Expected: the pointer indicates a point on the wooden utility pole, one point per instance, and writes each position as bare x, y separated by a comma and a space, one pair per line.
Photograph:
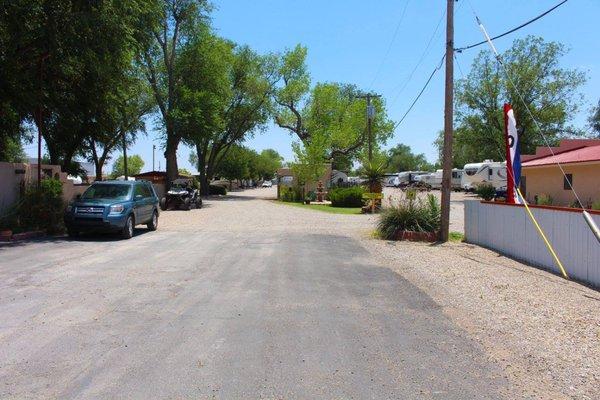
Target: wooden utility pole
124, 156
370, 116
448, 124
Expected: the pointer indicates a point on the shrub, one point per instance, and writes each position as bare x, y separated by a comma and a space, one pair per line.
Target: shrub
347, 197
596, 205
290, 194
42, 208
486, 191
544, 200
410, 215
217, 189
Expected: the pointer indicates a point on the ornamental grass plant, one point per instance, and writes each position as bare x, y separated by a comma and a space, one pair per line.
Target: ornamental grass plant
410, 214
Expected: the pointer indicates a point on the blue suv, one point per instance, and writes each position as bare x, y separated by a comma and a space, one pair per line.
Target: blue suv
113, 206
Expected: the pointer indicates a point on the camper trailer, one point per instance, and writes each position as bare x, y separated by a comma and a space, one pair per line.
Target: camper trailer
407, 177
388, 179
487, 171
434, 179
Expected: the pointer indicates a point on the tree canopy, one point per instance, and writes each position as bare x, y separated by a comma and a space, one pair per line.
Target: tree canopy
135, 163
401, 158
329, 116
550, 93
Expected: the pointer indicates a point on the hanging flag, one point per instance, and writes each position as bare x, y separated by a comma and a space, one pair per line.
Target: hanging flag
513, 155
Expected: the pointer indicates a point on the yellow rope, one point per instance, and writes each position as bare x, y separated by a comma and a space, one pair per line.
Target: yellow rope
548, 245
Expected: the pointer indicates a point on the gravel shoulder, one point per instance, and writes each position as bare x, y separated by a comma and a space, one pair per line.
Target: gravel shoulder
542, 330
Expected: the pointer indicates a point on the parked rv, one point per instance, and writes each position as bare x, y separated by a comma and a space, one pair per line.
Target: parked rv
388, 179
488, 171
434, 179
407, 177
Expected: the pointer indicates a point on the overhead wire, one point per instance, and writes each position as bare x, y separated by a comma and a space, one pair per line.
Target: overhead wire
387, 53
437, 68
460, 49
403, 85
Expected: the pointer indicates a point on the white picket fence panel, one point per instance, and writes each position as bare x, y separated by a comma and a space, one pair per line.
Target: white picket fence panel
508, 230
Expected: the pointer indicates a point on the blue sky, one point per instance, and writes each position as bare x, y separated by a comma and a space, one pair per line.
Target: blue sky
348, 41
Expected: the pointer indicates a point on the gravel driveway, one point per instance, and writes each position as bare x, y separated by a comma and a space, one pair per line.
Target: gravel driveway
247, 298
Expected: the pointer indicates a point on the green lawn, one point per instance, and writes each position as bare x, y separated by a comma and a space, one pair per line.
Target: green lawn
324, 208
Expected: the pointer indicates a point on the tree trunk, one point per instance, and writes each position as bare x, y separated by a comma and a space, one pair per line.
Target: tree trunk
171, 156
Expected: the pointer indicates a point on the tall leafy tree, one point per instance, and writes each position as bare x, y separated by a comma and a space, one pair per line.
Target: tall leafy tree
238, 106
594, 120
61, 60
550, 93
401, 158
330, 111
135, 163
178, 22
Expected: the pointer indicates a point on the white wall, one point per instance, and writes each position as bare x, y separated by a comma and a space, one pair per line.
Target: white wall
509, 230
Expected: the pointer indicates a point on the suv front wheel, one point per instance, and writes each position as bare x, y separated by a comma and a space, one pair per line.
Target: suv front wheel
153, 224
127, 232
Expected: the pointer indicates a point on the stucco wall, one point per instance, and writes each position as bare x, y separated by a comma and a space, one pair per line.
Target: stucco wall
15, 176
549, 180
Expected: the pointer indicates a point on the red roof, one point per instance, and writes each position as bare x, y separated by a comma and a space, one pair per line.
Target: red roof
585, 154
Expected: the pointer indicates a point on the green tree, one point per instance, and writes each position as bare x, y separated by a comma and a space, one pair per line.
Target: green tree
550, 93
177, 24
330, 111
401, 158
239, 104
60, 62
267, 163
594, 120
135, 163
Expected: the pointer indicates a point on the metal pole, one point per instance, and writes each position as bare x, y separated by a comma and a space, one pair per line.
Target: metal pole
448, 123
153, 149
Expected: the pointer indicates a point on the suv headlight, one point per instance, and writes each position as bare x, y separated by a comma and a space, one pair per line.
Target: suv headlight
116, 209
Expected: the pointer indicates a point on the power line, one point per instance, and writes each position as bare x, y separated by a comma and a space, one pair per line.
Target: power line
387, 53
403, 85
460, 49
436, 69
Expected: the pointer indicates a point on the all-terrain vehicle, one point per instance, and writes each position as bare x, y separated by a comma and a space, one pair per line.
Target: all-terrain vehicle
182, 195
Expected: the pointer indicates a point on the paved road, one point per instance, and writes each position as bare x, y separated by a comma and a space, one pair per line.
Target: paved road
282, 303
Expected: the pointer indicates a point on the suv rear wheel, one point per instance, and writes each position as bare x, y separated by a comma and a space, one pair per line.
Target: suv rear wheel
127, 231
153, 224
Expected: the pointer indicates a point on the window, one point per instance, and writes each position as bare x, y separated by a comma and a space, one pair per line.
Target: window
139, 191
567, 181
523, 185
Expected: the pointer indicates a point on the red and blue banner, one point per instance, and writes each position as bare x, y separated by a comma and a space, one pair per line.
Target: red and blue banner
513, 155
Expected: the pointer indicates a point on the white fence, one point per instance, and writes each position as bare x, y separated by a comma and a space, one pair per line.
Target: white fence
508, 230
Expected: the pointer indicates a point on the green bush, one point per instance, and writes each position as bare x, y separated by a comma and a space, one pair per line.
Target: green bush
486, 191
347, 197
42, 208
410, 215
544, 200
290, 194
217, 189
596, 205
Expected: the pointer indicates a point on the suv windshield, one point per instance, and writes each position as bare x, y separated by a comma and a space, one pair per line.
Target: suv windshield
107, 191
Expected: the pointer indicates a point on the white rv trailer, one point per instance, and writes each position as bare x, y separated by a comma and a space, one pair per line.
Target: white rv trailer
388, 179
487, 171
434, 179
407, 177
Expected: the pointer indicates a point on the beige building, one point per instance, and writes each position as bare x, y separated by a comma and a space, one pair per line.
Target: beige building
15, 176
580, 160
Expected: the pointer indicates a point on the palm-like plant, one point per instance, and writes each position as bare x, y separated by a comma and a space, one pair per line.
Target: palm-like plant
373, 172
